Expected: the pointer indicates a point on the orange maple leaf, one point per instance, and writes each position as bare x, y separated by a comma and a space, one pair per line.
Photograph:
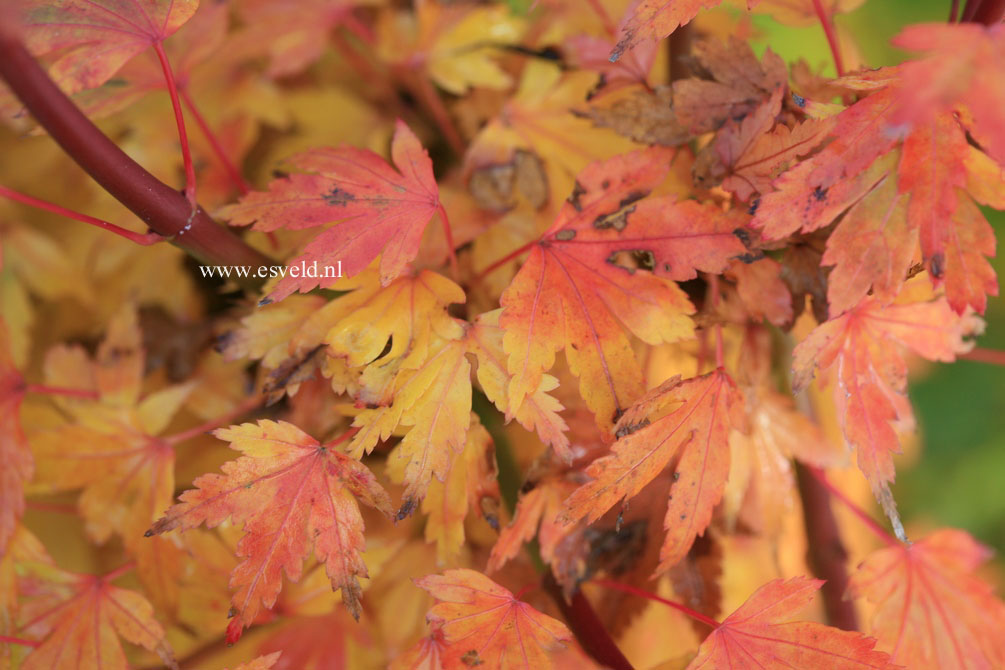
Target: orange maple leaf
655, 19
758, 634
869, 391
689, 421
292, 494
97, 37
82, 630
932, 612
375, 207
572, 293
494, 629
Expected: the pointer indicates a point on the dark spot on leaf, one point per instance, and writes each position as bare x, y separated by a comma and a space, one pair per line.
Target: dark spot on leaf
799, 100
470, 658
683, 516
937, 264
755, 203
565, 235
676, 476
232, 612
528, 486
405, 510
618, 220
264, 301
149, 533
819, 193
223, 341
751, 257
618, 413
630, 428
634, 196
743, 236
606, 184
577, 193
338, 197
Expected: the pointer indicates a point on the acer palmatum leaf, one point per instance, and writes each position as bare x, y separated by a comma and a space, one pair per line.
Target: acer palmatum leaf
377, 209
931, 610
83, 630
495, 630
862, 346
961, 66
689, 421
97, 37
293, 495
760, 634
572, 294
655, 19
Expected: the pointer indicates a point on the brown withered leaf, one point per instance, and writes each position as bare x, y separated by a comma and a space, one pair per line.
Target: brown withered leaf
497, 187
642, 115
731, 83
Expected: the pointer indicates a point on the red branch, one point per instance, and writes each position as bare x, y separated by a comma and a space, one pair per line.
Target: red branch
827, 23
586, 626
161, 207
980, 355
7, 639
139, 238
827, 557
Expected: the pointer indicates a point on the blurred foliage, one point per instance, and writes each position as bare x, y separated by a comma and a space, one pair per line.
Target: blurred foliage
960, 407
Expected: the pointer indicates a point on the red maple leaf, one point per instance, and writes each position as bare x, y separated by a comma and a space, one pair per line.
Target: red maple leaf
758, 634
375, 208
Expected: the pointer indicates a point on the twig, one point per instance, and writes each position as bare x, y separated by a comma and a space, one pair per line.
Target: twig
161, 207
495, 265
827, 556
7, 639
586, 626
179, 117
214, 143
827, 23
992, 356
863, 516
203, 428
642, 593
143, 239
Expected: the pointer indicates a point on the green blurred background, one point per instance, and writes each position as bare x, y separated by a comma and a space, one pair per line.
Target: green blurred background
959, 479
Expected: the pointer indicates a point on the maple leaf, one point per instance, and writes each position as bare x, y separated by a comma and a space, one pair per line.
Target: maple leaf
97, 37
655, 19
686, 422
492, 627
759, 634
292, 494
469, 485
872, 377
572, 294
737, 83
14, 451
745, 157
931, 611
536, 515
376, 209
538, 411
83, 630
435, 401
962, 66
